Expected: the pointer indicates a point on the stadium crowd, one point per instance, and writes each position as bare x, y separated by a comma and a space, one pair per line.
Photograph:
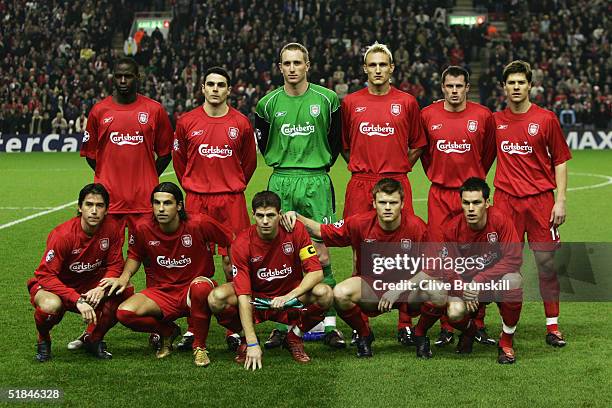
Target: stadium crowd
55, 57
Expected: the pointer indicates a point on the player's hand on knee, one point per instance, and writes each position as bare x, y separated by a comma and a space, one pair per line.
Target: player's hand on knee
471, 305
114, 285
288, 220
387, 300
253, 358
278, 302
94, 296
87, 312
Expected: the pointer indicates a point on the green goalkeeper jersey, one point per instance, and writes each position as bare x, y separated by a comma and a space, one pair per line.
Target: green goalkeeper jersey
299, 131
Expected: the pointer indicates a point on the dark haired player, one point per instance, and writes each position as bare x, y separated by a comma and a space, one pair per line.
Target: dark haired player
354, 296
79, 254
532, 157
461, 144
214, 158
175, 251
276, 265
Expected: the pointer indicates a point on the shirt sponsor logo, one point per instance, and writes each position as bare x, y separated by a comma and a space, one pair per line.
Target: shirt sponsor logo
287, 248
143, 117
406, 244
80, 267
533, 128
104, 243
315, 110
515, 148
76, 251
360, 109
232, 132
198, 132
472, 125
369, 129
186, 240
173, 263
396, 109
437, 126
214, 151
502, 127
271, 274
297, 130
107, 120
492, 237
453, 147
121, 139
280, 113
50, 255
154, 243
85, 136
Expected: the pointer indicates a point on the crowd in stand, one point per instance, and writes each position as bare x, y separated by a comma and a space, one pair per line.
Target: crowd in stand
56, 56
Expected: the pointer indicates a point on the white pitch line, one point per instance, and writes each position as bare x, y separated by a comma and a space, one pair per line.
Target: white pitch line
54, 209
603, 176
25, 208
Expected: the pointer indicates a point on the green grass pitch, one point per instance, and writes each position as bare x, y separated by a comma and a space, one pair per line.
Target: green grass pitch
580, 375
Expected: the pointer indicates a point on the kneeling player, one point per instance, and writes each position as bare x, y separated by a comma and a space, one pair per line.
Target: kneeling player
274, 270
486, 235
355, 297
175, 250
79, 253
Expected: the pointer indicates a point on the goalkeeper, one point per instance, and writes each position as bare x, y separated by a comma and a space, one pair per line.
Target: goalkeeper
277, 276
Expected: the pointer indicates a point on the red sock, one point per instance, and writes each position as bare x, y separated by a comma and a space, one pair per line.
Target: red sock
429, 316
506, 340
44, 322
405, 319
510, 311
145, 324
445, 324
190, 324
310, 317
480, 316
200, 312
230, 319
107, 315
354, 318
549, 290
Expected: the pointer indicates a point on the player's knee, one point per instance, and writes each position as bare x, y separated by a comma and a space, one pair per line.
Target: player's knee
50, 304
127, 306
217, 299
437, 297
342, 295
545, 262
456, 311
515, 280
324, 295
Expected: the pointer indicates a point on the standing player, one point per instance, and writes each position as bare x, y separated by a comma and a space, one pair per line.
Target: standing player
214, 158
389, 223
175, 251
298, 132
487, 236
461, 139
279, 267
79, 253
128, 144
381, 137
532, 160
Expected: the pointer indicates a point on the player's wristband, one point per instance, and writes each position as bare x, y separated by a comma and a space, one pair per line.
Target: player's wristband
252, 344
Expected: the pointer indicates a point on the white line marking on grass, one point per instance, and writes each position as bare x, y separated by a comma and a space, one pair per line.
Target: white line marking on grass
25, 208
603, 176
53, 209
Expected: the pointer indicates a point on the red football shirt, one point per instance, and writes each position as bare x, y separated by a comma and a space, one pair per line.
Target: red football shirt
529, 146
379, 130
461, 144
498, 243
123, 140
214, 155
272, 268
74, 262
365, 228
172, 261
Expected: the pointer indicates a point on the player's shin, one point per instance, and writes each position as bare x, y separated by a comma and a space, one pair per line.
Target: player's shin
510, 311
45, 321
107, 315
429, 316
200, 312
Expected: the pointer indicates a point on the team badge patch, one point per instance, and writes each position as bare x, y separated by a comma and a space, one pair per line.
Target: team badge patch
50, 256
492, 237
406, 244
143, 118
339, 224
533, 128
315, 110
472, 125
104, 244
443, 253
131, 240
186, 240
85, 136
287, 248
396, 109
176, 146
232, 133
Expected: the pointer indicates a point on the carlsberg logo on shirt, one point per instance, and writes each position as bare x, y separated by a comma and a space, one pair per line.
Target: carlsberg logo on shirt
214, 151
297, 130
80, 267
271, 274
371, 129
515, 148
173, 263
121, 139
453, 147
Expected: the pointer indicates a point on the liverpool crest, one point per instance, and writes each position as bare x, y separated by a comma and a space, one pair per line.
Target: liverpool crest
186, 240
287, 248
315, 110
104, 244
396, 109
472, 125
533, 128
143, 118
232, 132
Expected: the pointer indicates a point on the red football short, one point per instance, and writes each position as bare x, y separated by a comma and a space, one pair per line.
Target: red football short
531, 216
228, 209
128, 220
358, 197
34, 287
174, 302
441, 203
